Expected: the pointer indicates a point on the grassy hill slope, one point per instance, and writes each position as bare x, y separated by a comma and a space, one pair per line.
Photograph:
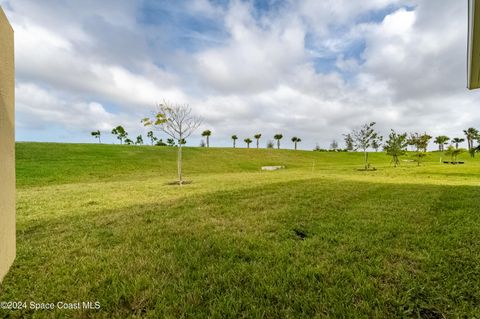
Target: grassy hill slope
99, 223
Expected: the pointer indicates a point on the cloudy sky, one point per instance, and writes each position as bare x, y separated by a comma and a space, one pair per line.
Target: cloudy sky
313, 68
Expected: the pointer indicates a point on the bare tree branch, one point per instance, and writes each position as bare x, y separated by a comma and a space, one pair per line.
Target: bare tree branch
176, 121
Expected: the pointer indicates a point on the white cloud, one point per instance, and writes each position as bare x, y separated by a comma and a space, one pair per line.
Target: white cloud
309, 68
256, 57
44, 56
39, 109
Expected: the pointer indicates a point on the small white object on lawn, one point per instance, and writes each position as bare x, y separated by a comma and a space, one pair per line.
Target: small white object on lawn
272, 168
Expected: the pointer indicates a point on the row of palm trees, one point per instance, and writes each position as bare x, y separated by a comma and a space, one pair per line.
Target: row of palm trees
248, 140
471, 134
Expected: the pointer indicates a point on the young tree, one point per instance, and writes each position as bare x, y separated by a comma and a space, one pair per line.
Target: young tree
420, 142
474, 150
458, 140
128, 141
363, 140
139, 140
424, 141
454, 152
396, 146
152, 137
296, 140
441, 141
207, 134
348, 142
234, 138
97, 134
257, 137
376, 143
412, 141
177, 122
120, 133
270, 144
333, 145
115, 132
248, 141
202, 143
278, 137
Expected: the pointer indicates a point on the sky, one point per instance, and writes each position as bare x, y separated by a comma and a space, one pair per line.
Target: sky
314, 69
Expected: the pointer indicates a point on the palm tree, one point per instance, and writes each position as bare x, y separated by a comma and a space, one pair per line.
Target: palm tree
120, 133
296, 140
457, 140
170, 142
257, 137
441, 141
207, 134
234, 138
278, 137
152, 138
97, 134
471, 134
248, 141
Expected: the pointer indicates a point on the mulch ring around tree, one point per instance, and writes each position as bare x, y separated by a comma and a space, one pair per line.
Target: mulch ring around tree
370, 169
178, 183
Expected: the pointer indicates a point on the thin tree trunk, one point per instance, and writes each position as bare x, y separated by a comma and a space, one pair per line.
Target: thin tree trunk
295, 146
208, 141
278, 144
366, 159
257, 142
233, 143
179, 162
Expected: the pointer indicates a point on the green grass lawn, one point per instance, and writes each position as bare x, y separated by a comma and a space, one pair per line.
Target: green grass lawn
317, 239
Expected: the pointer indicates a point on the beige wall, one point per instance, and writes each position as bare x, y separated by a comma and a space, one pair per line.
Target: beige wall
7, 146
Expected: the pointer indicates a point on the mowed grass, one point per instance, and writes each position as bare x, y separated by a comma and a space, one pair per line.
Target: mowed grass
318, 239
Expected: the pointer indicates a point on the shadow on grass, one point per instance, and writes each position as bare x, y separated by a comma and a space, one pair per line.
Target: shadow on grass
372, 250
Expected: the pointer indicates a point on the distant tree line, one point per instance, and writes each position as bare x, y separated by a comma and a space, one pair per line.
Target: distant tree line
362, 139
177, 122
397, 143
